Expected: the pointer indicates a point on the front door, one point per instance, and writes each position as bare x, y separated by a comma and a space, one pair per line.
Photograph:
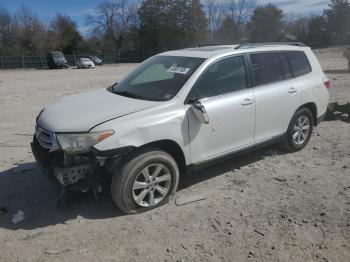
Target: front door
224, 92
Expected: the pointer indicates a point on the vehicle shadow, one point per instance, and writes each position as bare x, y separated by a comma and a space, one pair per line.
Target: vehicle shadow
24, 187
337, 71
336, 111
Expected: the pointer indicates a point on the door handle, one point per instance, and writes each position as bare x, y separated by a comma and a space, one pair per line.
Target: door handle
247, 102
292, 90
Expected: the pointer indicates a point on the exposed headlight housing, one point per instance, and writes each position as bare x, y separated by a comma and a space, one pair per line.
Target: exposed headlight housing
81, 142
42, 110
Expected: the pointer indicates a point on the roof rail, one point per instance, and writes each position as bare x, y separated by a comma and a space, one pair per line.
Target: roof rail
204, 45
254, 45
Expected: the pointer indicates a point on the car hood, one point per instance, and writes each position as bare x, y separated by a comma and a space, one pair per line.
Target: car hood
81, 112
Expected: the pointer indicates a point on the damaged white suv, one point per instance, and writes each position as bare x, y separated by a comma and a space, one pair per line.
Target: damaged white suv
181, 109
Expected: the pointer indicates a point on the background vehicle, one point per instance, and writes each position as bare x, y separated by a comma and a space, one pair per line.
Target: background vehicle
56, 60
85, 63
179, 110
96, 60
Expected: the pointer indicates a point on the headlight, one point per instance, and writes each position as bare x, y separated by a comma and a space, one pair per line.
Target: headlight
81, 142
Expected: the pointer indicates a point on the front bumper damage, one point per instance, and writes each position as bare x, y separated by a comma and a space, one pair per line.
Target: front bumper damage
76, 172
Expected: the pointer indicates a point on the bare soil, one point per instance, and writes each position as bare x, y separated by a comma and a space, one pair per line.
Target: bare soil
262, 206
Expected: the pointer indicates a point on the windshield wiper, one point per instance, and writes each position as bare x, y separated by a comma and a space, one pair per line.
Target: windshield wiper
129, 94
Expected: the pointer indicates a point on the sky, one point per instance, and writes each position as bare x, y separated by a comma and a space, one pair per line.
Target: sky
77, 9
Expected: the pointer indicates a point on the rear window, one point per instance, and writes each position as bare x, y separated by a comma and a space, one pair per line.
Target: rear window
267, 68
299, 63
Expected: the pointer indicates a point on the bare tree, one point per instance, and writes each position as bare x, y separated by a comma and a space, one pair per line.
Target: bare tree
113, 19
30, 32
296, 27
215, 16
5, 29
240, 12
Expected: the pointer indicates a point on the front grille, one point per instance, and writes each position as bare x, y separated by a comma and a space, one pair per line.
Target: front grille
45, 138
41, 154
46, 157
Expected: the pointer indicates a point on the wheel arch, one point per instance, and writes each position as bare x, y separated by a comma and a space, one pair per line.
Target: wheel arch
172, 148
313, 108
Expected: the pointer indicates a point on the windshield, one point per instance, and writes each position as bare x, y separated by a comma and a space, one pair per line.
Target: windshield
57, 55
159, 78
85, 59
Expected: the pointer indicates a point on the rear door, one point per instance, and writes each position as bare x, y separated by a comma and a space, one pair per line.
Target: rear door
276, 93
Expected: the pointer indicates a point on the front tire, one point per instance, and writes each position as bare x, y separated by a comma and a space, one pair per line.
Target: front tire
145, 180
299, 130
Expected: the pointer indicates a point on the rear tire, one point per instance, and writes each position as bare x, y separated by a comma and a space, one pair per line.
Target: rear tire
299, 130
145, 180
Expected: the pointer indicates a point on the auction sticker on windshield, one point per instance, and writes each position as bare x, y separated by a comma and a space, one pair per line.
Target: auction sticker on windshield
178, 70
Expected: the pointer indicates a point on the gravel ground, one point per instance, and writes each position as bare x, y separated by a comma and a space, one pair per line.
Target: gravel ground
262, 206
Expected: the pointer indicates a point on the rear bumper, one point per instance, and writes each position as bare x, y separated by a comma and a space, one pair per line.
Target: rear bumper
321, 118
87, 66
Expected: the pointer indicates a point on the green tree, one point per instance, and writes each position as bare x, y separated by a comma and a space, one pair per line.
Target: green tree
266, 24
64, 35
296, 29
171, 24
227, 32
152, 18
338, 21
196, 24
317, 35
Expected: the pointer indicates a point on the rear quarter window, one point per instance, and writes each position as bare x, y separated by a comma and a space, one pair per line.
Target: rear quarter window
299, 63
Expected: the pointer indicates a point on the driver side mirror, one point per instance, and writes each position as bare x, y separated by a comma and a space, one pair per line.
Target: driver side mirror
200, 112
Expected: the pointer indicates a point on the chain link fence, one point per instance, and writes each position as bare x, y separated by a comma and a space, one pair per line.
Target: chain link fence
13, 62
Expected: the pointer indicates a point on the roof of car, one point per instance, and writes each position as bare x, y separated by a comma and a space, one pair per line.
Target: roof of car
212, 50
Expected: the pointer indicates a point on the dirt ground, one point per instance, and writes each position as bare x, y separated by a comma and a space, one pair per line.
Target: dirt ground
262, 206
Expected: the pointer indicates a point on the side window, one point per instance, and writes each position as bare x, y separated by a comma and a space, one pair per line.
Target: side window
225, 76
299, 63
267, 68
286, 67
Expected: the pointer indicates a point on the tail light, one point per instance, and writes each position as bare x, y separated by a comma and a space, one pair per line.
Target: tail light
328, 84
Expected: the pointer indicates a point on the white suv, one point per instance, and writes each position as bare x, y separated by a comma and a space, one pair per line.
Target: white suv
181, 109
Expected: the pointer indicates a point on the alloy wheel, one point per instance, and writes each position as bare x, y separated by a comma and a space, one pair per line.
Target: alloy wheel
301, 130
151, 185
